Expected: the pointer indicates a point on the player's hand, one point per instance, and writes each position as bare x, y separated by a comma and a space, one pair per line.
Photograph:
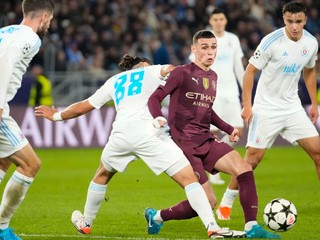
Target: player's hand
234, 136
159, 122
45, 112
246, 115
313, 114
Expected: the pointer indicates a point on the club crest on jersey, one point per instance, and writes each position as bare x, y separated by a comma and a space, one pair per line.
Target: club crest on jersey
205, 83
304, 52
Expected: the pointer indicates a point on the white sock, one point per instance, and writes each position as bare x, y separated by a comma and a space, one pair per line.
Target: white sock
225, 139
216, 176
13, 195
199, 202
2, 174
158, 217
95, 196
248, 225
228, 197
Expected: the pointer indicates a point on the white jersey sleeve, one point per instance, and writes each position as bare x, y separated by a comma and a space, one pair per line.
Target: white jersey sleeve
18, 45
130, 91
282, 61
103, 95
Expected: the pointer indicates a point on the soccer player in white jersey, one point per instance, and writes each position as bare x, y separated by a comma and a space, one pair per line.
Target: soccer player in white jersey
281, 56
229, 67
135, 134
18, 45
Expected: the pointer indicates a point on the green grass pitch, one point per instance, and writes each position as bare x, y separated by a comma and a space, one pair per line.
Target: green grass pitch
61, 185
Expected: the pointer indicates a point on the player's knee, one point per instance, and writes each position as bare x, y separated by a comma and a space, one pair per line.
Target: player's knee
32, 167
254, 158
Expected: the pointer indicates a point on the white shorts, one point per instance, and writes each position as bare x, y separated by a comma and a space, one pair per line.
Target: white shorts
229, 110
132, 140
265, 128
11, 137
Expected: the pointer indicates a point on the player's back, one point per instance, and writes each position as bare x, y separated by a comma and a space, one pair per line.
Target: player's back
18, 45
130, 91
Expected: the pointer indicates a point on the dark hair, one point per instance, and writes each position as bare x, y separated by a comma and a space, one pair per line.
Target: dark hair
128, 62
202, 34
218, 11
294, 7
30, 6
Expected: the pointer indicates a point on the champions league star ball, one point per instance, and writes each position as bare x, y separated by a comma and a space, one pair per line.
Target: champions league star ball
280, 215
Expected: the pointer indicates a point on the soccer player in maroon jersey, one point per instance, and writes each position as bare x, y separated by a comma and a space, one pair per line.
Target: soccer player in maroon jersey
192, 89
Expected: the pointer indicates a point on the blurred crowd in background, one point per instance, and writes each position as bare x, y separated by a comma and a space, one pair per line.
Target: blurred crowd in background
95, 34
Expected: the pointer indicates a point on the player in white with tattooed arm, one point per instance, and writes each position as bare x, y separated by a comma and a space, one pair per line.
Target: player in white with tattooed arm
18, 45
281, 56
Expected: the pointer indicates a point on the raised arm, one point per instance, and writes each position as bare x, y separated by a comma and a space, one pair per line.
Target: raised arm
74, 110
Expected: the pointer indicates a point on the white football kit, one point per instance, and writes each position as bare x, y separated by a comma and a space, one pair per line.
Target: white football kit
277, 108
18, 45
229, 68
133, 135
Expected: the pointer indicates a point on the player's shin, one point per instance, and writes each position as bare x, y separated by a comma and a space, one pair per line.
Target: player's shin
14, 193
248, 196
200, 203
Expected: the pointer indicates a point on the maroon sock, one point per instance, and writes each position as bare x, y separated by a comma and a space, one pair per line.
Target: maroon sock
182, 210
248, 196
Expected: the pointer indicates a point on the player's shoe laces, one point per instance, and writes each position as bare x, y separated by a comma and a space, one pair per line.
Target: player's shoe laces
226, 233
78, 222
258, 232
223, 213
216, 179
153, 227
8, 234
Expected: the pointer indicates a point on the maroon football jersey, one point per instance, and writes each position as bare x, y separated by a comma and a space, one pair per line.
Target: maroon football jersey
192, 92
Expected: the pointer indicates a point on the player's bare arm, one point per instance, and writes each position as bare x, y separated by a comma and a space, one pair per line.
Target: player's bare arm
248, 79
74, 110
310, 77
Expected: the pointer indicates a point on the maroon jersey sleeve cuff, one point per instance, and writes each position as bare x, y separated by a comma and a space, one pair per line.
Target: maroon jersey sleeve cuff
219, 123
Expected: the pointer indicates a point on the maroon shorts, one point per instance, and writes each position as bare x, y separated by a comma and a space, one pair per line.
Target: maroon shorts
204, 157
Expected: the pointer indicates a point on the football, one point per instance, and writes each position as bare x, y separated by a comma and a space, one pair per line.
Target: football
280, 215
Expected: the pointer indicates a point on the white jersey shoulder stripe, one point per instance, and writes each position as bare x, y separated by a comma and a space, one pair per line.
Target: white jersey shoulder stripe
272, 38
307, 34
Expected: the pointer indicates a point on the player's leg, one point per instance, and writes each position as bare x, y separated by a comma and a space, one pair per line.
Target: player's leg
4, 166
183, 210
233, 164
95, 195
17, 186
300, 129
263, 131
115, 157
197, 203
253, 156
311, 146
